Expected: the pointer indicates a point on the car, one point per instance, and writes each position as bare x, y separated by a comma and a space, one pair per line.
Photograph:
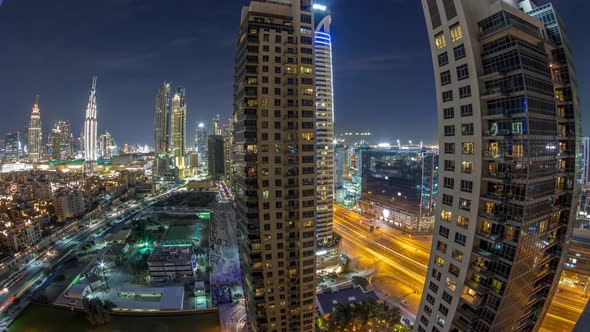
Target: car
404, 303
406, 321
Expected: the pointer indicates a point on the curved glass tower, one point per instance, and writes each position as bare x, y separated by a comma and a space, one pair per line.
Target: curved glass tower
325, 122
509, 128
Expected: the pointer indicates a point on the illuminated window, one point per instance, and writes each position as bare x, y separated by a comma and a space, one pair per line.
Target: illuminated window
440, 40
307, 136
439, 261
467, 148
463, 222
446, 215
497, 285
252, 80
265, 194
308, 92
509, 233
457, 255
291, 70
456, 32
306, 70
451, 284
252, 102
466, 167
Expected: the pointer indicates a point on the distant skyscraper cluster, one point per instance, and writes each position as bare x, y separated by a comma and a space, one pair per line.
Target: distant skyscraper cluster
509, 126
61, 143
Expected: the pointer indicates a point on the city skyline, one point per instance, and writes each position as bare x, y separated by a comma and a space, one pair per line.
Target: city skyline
131, 98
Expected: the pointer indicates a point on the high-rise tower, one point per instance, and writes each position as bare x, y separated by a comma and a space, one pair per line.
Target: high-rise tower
35, 137
509, 128
275, 166
162, 135
179, 127
90, 134
325, 122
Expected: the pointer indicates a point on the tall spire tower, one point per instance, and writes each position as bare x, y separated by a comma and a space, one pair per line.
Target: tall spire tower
90, 128
35, 139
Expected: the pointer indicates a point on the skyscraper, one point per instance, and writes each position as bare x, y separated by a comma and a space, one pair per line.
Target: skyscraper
275, 167
35, 139
586, 160
106, 146
90, 134
215, 126
216, 157
12, 147
228, 148
179, 127
162, 135
509, 123
325, 122
62, 141
201, 143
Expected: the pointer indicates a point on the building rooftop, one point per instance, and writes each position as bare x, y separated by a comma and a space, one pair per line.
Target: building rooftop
171, 298
328, 300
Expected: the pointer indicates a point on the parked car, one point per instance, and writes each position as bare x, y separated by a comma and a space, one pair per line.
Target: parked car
404, 303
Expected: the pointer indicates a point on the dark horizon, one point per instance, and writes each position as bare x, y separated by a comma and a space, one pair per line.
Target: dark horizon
135, 45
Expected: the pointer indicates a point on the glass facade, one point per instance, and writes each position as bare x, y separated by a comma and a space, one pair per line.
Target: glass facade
402, 181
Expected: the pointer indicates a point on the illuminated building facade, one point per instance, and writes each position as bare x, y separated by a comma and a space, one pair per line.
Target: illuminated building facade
201, 143
325, 122
12, 147
178, 148
106, 146
163, 165
35, 138
400, 186
509, 128
162, 118
216, 151
61, 141
90, 133
228, 148
275, 163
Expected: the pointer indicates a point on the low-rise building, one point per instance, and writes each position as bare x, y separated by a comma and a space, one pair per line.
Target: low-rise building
169, 263
68, 203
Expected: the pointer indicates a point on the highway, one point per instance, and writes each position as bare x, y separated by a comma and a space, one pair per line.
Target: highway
67, 244
400, 266
400, 261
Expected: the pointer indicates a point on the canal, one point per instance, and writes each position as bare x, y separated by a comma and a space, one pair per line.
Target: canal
38, 318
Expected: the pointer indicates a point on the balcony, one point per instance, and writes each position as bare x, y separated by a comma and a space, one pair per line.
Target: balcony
491, 76
475, 301
494, 93
490, 237
486, 255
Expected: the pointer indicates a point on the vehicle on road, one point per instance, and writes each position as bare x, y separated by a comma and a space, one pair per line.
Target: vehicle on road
404, 303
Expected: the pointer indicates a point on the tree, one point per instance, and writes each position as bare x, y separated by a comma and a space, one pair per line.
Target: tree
368, 315
97, 312
360, 281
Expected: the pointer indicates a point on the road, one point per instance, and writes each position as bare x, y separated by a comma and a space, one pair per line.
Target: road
69, 243
400, 261
565, 309
401, 264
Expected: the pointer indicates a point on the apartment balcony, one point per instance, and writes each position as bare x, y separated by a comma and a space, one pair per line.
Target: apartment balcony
507, 156
498, 134
474, 301
486, 255
510, 27
481, 270
494, 93
462, 325
490, 237
495, 74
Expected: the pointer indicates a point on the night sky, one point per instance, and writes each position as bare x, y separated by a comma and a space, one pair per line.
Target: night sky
382, 66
